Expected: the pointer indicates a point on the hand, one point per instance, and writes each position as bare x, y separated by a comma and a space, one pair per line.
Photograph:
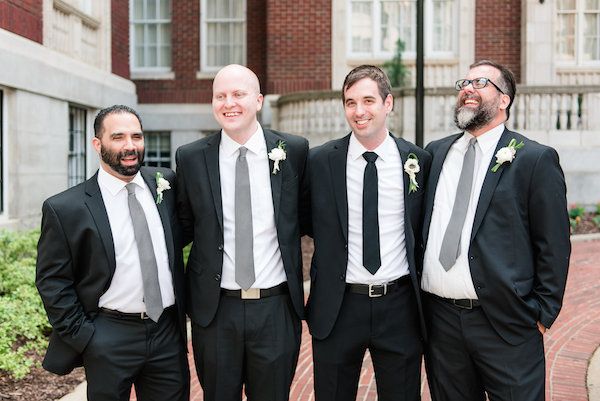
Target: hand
541, 328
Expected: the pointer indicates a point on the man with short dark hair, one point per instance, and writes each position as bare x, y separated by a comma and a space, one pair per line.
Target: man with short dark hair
110, 272
366, 191
497, 249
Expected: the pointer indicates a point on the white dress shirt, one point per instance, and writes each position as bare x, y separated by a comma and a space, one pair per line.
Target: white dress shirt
268, 265
457, 282
390, 185
126, 291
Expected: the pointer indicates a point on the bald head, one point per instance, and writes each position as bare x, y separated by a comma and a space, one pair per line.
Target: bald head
236, 101
239, 74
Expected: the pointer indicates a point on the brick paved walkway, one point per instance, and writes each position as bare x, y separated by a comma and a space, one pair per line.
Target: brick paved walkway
569, 344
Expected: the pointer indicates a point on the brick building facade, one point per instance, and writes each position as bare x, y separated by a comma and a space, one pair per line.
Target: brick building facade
66, 59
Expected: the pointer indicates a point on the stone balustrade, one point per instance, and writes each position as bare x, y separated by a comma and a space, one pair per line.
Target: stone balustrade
564, 117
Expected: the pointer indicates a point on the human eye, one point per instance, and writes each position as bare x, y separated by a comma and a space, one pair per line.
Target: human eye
479, 83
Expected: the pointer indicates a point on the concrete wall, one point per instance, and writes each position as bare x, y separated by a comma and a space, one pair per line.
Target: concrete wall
39, 85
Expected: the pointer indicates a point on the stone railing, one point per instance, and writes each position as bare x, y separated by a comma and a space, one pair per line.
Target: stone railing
565, 117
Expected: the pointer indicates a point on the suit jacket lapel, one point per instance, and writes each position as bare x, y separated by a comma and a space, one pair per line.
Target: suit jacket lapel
489, 185
434, 175
337, 163
272, 140
211, 158
164, 215
404, 152
95, 205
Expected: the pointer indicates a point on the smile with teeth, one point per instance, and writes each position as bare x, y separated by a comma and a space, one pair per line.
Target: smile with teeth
232, 114
471, 101
361, 122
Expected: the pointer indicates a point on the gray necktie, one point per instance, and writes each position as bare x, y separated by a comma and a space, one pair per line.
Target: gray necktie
152, 297
244, 257
451, 244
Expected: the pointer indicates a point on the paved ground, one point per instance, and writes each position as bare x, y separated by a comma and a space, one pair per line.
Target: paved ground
570, 343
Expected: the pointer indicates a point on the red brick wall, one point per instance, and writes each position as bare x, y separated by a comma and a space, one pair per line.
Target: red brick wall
498, 33
299, 45
120, 37
23, 17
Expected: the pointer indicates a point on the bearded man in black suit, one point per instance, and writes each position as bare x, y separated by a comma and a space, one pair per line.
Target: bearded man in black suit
110, 272
497, 249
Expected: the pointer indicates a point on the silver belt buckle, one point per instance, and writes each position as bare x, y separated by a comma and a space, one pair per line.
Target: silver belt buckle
373, 295
250, 293
144, 316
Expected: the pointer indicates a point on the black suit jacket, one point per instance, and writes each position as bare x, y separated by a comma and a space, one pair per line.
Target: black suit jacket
201, 213
76, 263
329, 210
520, 247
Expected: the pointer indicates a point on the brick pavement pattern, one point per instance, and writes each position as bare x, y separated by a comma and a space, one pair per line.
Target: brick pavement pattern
569, 344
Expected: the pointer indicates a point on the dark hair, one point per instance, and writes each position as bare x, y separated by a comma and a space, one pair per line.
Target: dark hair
506, 83
115, 109
368, 71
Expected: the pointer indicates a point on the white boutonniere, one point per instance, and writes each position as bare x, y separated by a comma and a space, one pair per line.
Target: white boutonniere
161, 185
277, 154
411, 167
507, 153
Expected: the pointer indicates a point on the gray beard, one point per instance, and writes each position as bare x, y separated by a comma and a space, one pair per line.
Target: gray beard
467, 119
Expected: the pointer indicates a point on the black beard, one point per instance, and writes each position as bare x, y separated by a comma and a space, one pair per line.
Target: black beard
485, 113
114, 161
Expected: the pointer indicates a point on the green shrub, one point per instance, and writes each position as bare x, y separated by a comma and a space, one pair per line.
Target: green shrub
23, 322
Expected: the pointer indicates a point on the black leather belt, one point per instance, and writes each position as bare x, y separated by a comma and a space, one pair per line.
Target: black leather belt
257, 293
377, 290
130, 316
459, 303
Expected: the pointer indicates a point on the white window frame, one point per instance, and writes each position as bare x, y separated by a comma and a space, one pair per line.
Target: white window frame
204, 67
158, 159
579, 39
155, 72
80, 144
376, 54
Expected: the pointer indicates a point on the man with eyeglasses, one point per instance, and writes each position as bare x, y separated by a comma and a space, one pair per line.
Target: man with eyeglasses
496, 236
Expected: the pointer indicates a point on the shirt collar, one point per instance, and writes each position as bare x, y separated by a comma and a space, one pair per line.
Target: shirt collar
488, 140
255, 144
384, 150
113, 184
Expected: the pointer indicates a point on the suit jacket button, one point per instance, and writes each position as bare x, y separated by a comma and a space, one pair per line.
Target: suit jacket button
346, 246
221, 247
217, 277
471, 257
342, 277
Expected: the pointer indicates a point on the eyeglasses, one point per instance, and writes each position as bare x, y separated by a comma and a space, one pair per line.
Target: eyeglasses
478, 83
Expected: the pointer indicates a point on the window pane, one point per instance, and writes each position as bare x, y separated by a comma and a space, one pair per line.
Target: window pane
361, 26
591, 37
138, 9
152, 33
150, 9
165, 56
77, 150
165, 9
443, 15
566, 4
158, 149
565, 44
152, 56
165, 34
237, 9
592, 4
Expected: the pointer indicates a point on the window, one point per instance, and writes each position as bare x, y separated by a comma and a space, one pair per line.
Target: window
77, 142
150, 35
375, 26
223, 33
578, 31
158, 149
